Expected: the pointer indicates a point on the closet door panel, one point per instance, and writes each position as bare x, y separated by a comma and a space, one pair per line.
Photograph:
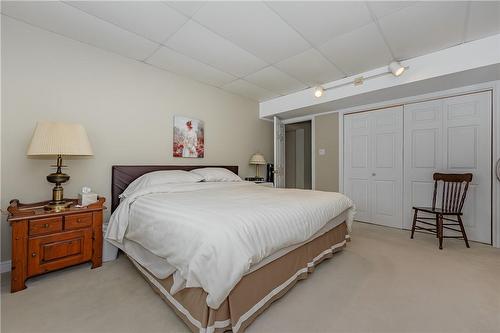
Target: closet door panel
387, 166
373, 165
359, 192
423, 151
357, 163
467, 145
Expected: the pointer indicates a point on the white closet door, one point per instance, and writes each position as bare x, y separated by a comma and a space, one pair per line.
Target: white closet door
450, 135
423, 154
387, 167
357, 163
373, 165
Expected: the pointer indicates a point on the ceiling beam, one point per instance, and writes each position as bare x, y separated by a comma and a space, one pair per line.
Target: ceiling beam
475, 54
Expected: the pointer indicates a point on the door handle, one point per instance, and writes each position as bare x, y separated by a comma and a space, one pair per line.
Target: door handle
497, 169
374, 174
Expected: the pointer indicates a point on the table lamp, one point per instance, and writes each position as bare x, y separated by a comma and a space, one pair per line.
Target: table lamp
59, 139
257, 159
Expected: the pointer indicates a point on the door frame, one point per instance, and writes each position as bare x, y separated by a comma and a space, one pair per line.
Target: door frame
495, 157
493, 86
312, 119
279, 151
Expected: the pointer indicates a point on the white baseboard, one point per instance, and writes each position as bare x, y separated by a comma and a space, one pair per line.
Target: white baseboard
5, 266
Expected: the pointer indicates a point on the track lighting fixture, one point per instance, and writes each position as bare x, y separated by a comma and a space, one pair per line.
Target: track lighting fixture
318, 91
396, 68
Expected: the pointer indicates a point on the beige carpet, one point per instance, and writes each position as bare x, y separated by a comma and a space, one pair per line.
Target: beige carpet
382, 282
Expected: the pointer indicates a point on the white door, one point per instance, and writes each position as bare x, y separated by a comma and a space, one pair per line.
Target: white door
451, 135
373, 169
279, 153
357, 163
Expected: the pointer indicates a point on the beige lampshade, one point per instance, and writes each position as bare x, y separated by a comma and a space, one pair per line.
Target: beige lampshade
257, 159
55, 138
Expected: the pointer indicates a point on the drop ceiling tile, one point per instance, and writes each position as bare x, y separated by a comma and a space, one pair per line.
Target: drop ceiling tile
202, 44
274, 80
73, 23
424, 28
320, 21
180, 64
484, 19
154, 20
254, 27
247, 89
188, 8
358, 51
310, 67
383, 8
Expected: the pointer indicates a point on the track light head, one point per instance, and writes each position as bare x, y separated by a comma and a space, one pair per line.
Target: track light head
318, 91
396, 68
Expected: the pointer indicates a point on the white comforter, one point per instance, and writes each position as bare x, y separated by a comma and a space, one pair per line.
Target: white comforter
213, 232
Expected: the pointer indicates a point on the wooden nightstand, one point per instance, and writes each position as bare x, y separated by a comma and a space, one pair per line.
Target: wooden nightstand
44, 241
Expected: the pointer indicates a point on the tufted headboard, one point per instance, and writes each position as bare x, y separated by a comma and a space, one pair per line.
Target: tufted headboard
123, 175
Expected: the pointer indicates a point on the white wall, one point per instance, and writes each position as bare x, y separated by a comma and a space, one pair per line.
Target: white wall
126, 107
327, 165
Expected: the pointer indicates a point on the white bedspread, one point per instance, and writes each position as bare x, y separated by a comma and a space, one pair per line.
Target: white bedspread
213, 232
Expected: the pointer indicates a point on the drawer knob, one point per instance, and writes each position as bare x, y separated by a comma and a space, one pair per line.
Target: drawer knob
33, 254
46, 225
79, 220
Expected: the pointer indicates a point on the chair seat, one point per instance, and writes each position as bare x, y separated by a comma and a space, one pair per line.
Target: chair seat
437, 211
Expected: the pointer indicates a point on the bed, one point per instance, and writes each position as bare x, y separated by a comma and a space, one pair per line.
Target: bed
219, 253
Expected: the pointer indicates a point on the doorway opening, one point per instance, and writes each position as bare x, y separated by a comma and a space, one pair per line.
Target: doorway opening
298, 149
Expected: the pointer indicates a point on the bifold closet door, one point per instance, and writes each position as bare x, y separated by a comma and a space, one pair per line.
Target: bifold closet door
451, 135
373, 165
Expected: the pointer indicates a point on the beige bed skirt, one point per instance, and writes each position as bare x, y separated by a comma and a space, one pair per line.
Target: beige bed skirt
255, 291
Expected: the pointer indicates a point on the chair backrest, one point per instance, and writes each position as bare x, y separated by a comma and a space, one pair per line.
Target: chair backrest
454, 190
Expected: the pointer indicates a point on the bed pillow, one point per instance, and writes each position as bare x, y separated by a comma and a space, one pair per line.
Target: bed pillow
217, 175
159, 178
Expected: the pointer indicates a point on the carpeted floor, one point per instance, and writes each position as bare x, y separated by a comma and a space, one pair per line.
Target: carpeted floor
382, 282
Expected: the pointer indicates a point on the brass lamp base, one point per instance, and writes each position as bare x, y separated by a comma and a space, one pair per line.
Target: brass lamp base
57, 206
58, 203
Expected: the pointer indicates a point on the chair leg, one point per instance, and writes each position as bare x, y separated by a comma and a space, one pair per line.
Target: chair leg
463, 231
440, 231
414, 223
437, 226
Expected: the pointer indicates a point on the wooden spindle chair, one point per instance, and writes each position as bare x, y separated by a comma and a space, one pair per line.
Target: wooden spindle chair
452, 201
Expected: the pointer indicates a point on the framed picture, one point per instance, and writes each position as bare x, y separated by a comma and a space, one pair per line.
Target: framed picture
189, 137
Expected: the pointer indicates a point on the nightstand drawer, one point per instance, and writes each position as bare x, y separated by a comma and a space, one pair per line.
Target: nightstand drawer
61, 249
77, 221
48, 253
45, 226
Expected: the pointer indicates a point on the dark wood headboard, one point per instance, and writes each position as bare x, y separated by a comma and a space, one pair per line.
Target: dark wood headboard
123, 175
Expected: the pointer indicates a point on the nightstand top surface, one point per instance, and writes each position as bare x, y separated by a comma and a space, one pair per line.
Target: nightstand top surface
19, 211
